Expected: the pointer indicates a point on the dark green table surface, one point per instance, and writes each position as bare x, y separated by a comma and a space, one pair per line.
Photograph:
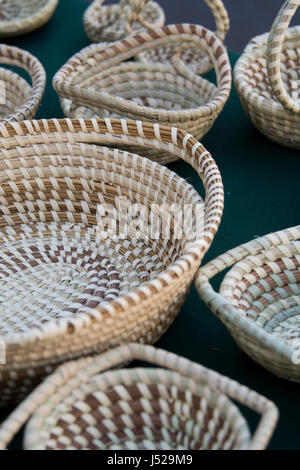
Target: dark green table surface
261, 182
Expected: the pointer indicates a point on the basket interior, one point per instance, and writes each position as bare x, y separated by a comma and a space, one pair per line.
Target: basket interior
266, 288
14, 10
14, 91
138, 409
56, 256
157, 86
194, 58
253, 71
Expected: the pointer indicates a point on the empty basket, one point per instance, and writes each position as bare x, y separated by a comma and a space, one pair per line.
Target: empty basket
114, 22
267, 79
99, 81
84, 278
259, 299
22, 16
194, 58
18, 99
180, 405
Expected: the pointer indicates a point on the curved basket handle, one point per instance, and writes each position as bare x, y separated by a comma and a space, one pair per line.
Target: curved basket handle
119, 51
222, 24
275, 41
222, 308
220, 14
89, 367
132, 10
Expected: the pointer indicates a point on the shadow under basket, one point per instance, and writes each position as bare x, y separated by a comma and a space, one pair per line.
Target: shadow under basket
259, 299
77, 275
179, 405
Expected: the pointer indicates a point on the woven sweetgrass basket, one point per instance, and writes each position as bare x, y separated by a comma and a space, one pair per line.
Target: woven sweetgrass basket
113, 22
22, 16
81, 285
267, 79
18, 99
100, 82
194, 58
180, 405
259, 299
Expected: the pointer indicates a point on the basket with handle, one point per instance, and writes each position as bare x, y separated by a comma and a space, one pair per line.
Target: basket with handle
23, 16
267, 79
177, 405
18, 99
194, 58
88, 242
259, 299
99, 81
107, 23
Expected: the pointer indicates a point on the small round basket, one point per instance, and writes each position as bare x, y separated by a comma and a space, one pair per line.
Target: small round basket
100, 82
18, 99
178, 405
23, 16
267, 79
259, 299
108, 23
194, 58
88, 243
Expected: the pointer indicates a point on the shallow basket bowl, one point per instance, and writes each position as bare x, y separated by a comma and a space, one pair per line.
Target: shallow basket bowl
108, 23
23, 16
259, 299
267, 79
18, 99
99, 81
84, 277
178, 406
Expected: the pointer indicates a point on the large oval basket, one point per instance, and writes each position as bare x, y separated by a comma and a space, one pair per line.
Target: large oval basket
99, 81
180, 405
267, 79
259, 299
18, 99
113, 22
22, 16
87, 244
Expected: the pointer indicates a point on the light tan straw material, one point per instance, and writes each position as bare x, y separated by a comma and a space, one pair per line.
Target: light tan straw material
259, 299
22, 16
18, 99
180, 405
79, 286
99, 82
194, 58
267, 79
113, 22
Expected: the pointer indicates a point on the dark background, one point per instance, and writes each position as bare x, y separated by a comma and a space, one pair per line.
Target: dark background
261, 181
247, 17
